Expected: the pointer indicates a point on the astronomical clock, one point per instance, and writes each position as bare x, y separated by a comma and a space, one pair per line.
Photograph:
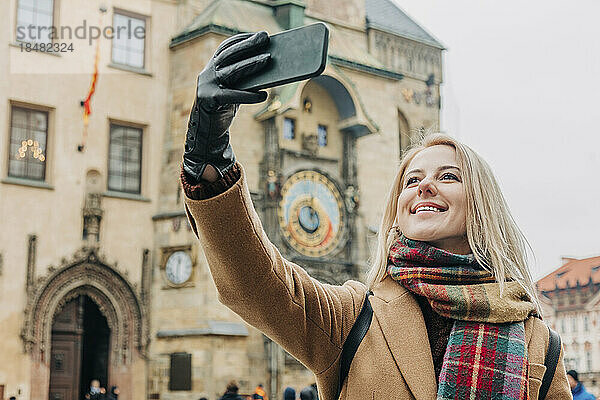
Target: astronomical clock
311, 214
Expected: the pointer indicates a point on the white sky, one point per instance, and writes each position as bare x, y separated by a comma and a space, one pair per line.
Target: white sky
522, 88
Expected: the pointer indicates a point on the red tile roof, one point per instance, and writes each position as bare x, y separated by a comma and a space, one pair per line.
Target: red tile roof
568, 275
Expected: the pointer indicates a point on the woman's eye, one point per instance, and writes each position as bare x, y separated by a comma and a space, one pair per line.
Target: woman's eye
449, 175
411, 181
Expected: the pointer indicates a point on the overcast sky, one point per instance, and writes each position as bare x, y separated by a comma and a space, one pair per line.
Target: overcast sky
522, 88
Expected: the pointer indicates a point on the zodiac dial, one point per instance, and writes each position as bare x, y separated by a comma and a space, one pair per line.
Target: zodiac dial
311, 213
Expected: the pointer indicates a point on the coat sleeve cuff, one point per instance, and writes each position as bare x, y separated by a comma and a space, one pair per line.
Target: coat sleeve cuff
204, 190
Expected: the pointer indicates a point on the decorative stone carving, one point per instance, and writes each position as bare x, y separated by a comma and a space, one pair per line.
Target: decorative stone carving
146, 277
31, 253
87, 274
92, 216
310, 143
405, 56
351, 198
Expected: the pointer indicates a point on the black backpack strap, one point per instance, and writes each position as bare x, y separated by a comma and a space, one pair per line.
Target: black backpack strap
550, 362
356, 335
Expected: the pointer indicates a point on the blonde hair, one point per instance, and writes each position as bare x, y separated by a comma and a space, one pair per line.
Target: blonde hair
497, 243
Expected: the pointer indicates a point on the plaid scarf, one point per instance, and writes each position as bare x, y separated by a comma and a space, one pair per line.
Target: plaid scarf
486, 355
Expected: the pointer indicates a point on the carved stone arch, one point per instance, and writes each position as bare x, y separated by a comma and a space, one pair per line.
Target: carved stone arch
354, 119
87, 274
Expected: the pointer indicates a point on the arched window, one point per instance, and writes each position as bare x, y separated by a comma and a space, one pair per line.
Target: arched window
403, 133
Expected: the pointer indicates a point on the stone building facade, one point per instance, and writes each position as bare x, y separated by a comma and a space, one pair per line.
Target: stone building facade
571, 302
76, 237
100, 273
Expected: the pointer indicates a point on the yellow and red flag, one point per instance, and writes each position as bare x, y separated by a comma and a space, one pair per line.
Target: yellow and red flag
87, 108
87, 103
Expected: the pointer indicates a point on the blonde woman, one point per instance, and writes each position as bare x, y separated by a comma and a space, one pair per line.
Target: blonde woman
455, 314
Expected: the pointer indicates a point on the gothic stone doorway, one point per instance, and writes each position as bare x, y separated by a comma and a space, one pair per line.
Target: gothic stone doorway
93, 291
80, 349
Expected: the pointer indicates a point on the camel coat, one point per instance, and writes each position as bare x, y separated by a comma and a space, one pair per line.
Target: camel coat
311, 320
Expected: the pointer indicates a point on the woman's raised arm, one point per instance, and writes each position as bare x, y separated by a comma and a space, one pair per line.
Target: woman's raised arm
308, 318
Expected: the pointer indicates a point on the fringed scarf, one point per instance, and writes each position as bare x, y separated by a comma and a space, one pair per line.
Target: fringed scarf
486, 356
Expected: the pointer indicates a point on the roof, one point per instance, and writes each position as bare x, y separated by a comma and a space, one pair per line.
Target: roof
248, 16
233, 16
236, 15
388, 16
572, 272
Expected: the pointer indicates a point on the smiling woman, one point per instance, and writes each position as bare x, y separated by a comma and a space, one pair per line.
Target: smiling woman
473, 216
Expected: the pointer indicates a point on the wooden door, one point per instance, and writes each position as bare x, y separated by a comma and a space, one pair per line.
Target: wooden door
65, 354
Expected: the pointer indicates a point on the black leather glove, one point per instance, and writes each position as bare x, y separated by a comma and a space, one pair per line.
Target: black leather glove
207, 139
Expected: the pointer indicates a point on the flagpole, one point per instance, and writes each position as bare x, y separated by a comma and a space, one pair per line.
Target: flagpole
86, 104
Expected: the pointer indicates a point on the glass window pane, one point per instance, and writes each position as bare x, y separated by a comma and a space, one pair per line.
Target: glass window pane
136, 59
39, 139
119, 55
44, 20
38, 121
18, 135
115, 182
289, 128
117, 132
28, 4
120, 20
36, 170
19, 117
322, 135
16, 167
130, 184
136, 43
45, 5
24, 19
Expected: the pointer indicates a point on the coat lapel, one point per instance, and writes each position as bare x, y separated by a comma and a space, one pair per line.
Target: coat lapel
401, 320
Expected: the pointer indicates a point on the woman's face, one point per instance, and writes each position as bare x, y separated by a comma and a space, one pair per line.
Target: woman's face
432, 205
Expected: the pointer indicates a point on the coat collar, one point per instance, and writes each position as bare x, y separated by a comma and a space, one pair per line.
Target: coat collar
403, 326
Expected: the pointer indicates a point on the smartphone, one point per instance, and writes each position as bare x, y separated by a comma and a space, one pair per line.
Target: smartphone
296, 54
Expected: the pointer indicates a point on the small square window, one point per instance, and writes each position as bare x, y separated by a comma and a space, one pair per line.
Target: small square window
322, 135
289, 128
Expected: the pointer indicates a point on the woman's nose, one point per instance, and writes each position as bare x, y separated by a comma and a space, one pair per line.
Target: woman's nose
426, 188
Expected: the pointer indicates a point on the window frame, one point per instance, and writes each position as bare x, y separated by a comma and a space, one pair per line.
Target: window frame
319, 126
125, 125
29, 108
146, 20
55, 9
293, 120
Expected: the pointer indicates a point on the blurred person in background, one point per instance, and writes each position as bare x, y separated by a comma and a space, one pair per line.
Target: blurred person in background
577, 388
260, 391
113, 394
289, 394
307, 394
231, 392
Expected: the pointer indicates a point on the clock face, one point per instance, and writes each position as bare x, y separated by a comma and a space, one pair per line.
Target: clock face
179, 267
311, 213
